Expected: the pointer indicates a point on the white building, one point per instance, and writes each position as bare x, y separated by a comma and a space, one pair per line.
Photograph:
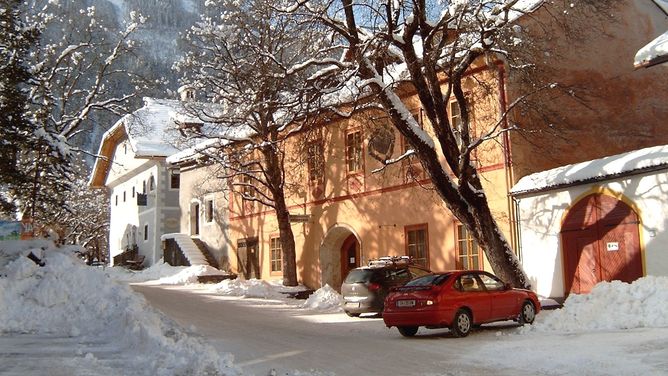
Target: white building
144, 192
600, 220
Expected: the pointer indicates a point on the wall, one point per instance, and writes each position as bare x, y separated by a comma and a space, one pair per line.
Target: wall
197, 186
127, 177
601, 106
376, 207
542, 214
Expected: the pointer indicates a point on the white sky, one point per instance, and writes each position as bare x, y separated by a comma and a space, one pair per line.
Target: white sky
71, 319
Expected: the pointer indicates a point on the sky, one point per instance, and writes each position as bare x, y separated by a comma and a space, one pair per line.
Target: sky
67, 318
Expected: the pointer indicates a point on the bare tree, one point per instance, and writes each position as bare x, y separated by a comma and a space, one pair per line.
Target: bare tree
74, 70
431, 47
254, 63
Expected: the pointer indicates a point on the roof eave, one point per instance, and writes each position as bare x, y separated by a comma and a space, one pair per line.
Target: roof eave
594, 179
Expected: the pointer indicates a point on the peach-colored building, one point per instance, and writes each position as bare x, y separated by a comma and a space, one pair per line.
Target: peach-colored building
346, 214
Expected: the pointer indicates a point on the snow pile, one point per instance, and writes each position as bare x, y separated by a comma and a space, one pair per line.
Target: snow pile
325, 299
163, 274
188, 275
252, 288
610, 306
66, 298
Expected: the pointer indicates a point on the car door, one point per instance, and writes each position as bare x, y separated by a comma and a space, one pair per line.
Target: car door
474, 296
504, 302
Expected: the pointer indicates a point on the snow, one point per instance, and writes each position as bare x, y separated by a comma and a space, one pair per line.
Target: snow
612, 306
67, 301
653, 53
607, 167
325, 299
69, 318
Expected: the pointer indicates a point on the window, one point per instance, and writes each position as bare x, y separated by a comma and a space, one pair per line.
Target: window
468, 252
175, 179
208, 207
417, 244
125, 148
151, 183
455, 114
133, 192
276, 255
143, 187
491, 283
316, 162
354, 151
124, 199
247, 188
116, 200
145, 232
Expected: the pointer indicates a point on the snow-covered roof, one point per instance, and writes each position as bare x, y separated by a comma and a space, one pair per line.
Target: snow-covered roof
152, 132
655, 52
636, 161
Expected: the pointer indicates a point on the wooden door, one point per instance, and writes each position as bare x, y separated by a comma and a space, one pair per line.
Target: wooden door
600, 240
248, 260
350, 255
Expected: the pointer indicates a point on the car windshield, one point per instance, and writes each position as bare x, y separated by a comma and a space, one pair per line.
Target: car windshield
428, 280
359, 276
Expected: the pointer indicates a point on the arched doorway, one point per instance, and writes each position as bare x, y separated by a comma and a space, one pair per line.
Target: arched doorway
340, 251
601, 242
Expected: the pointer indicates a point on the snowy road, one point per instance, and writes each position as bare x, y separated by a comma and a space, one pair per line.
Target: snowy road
282, 337
264, 334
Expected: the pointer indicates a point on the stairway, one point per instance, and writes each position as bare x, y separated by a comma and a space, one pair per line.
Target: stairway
207, 254
190, 249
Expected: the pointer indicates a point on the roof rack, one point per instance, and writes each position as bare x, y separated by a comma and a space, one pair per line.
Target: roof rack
391, 260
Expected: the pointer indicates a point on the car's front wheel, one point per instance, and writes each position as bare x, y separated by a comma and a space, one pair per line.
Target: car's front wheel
407, 331
351, 314
528, 313
462, 324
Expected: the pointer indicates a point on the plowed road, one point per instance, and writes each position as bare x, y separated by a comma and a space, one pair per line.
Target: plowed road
272, 335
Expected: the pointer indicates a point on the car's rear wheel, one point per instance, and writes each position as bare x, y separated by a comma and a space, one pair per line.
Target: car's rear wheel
352, 314
462, 324
528, 313
407, 331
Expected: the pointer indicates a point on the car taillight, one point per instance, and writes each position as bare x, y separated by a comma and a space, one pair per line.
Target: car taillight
373, 286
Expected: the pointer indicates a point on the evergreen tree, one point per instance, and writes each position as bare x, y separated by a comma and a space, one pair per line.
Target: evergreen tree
16, 131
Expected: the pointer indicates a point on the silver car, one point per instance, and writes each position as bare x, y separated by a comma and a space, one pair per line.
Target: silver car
365, 288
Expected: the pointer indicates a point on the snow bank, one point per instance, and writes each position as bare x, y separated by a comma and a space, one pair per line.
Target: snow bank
325, 299
610, 306
252, 288
163, 274
69, 299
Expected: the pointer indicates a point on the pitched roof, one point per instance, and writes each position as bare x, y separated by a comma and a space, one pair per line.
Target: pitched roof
634, 162
151, 131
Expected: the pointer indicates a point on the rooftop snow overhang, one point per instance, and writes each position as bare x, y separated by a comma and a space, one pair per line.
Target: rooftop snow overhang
636, 162
101, 168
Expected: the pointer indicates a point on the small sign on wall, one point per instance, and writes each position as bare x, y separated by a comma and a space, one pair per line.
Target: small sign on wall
613, 246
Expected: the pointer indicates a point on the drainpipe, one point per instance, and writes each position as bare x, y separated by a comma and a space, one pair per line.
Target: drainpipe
508, 162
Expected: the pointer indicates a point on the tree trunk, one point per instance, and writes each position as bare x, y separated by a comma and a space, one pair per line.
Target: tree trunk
465, 199
276, 184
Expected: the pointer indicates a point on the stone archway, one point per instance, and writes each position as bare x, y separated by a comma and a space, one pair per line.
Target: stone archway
330, 254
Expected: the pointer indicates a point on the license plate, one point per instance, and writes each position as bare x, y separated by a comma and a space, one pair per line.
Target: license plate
405, 303
353, 304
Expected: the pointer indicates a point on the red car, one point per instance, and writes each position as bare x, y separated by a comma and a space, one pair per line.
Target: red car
458, 300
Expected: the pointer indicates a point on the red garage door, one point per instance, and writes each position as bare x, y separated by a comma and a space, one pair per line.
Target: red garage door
601, 243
